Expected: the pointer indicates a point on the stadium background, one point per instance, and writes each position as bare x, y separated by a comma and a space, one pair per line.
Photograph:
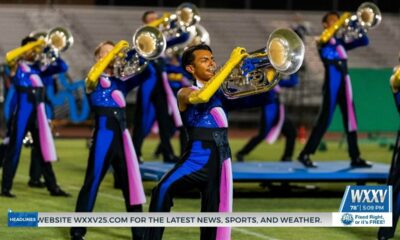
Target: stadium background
244, 23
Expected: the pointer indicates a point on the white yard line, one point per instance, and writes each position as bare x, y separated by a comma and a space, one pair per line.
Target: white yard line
254, 234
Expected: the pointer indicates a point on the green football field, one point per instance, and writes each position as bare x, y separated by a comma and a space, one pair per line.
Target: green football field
70, 170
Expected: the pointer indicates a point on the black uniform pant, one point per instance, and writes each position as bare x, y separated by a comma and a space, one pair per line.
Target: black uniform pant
288, 130
205, 167
107, 149
158, 98
336, 90
25, 119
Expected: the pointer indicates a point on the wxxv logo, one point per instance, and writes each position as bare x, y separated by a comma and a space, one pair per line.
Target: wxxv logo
367, 199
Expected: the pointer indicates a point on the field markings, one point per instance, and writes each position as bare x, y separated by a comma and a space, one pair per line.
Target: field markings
110, 196
254, 234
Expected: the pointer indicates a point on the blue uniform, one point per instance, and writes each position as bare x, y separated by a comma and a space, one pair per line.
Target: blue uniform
206, 163
176, 79
337, 90
273, 121
112, 145
152, 104
29, 115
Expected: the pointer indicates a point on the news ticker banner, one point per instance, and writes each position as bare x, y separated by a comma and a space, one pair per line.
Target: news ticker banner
362, 206
242, 219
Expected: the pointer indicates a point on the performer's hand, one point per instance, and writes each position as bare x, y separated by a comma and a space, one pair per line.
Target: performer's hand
395, 80
237, 55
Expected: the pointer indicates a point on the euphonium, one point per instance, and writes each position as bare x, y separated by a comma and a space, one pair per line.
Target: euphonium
368, 16
186, 15
148, 43
58, 40
262, 70
184, 20
48, 46
200, 35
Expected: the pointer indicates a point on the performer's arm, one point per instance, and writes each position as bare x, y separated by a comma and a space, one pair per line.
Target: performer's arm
292, 81
203, 95
59, 66
359, 42
184, 36
136, 80
251, 101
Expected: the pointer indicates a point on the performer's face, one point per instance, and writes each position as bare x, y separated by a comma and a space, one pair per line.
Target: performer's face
150, 18
203, 65
330, 21
30, 55
104, 50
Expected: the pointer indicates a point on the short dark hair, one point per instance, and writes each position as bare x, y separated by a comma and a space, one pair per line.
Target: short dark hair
145, 14
325, 17
97, 50
27, 40
188, 56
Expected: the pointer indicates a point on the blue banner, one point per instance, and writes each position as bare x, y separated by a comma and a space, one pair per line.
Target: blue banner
22, 219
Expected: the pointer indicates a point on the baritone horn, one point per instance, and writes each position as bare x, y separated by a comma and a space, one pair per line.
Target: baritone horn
58, 40
368, 16
147, 42
186, 15
48, 46
262, 70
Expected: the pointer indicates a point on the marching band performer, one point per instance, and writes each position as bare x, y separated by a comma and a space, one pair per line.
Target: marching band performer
206, 164
177, 79
394, 172
112, 143
273, 122
337, 90
35, 172
30, 115
152, 101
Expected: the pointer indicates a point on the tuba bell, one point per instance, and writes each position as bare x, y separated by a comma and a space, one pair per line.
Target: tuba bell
368, 16
262, 70
147, 43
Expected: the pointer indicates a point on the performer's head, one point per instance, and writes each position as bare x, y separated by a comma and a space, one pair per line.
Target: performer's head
149, 16
330, 18
101, 51
30, 55
199, 62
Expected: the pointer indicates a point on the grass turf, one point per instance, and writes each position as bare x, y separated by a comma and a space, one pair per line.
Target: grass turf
249, 197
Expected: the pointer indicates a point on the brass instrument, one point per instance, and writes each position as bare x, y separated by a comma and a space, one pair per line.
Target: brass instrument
262, 70
58, 40
38, 34
200, 35
47, 46
184, 20
197, 35
148, 43
368, 16
186, 15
